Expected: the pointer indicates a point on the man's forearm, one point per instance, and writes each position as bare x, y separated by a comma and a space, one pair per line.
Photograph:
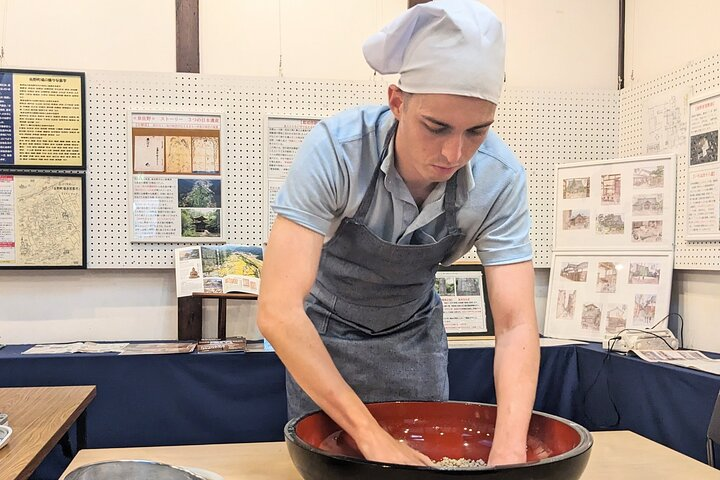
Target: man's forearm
517, 360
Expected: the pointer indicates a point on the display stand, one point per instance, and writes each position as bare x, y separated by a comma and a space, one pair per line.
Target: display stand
190, 313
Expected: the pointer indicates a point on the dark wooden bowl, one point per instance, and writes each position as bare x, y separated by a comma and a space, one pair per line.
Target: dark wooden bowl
557, 448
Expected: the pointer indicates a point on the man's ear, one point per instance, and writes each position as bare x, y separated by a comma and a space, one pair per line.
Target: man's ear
395, 100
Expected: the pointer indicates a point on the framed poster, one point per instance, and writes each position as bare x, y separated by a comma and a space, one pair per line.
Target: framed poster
42, 120
703, 178
176, 177
627, 203
601, 293
466, 310
283, 136
42, 220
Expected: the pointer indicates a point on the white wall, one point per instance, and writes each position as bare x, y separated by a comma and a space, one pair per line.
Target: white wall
663, 35
551, 44
539, 54
89, 34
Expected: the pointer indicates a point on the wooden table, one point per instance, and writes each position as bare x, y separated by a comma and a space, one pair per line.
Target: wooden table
39, 417
615, 455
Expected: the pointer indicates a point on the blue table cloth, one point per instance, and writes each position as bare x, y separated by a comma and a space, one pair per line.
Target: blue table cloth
665, 403
152, 400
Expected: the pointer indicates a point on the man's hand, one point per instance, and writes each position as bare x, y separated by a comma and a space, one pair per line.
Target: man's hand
506, 457
380, 446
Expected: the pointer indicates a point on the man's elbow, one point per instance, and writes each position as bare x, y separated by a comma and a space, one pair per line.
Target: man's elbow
264, 320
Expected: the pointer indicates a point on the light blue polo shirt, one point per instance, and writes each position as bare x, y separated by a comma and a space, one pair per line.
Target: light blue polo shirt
335, 164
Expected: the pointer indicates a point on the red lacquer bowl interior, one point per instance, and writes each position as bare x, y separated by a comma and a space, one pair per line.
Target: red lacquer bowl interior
445, 429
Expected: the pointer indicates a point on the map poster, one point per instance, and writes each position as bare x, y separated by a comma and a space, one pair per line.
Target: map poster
42, 221
42, 119
176, 177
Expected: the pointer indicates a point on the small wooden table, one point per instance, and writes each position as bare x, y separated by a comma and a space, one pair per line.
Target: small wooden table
40, 417
190, 313
615, 455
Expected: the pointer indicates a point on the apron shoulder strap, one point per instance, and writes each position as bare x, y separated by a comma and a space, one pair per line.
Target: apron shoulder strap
370, 191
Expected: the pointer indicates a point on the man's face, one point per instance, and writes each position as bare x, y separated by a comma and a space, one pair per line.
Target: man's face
437, 134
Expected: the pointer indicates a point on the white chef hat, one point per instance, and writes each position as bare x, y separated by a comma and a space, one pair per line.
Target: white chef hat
444, 46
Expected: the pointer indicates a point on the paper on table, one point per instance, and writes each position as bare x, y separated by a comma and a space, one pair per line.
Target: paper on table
475, 343
77, 347
158, 348
682, 358
555, 342
490, 342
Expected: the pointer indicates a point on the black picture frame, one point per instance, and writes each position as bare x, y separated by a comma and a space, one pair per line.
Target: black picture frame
488, 312
13, 128
83, 233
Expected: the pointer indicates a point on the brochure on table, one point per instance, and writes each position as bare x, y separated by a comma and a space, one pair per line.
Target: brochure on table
218, 269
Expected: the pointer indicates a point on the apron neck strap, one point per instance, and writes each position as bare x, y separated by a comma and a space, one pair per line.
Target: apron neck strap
370, 192
450, 206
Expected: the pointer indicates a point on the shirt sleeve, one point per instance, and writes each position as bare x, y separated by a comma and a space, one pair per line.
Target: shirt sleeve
310, 195
505, 235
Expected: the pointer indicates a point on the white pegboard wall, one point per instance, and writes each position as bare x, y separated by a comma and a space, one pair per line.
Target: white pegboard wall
699, 77
547, 127
244, 102
542, 127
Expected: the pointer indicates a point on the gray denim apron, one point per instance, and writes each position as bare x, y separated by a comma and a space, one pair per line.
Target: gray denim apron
375, 308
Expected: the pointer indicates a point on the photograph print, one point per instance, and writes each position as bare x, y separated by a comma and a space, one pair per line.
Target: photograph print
610, 224
704, 148
565, 304
644, 311
200, 222
576, 187
198, 193
591, 316
610, 189
616, 318
653, 177
606, 277
649, 231
575, 272
576, 219
647, 204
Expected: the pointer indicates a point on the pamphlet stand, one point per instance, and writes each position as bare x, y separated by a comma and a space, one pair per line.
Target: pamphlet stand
190, 313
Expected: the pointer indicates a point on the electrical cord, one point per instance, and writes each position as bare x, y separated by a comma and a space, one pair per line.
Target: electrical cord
611, 346
682, 325
607, 386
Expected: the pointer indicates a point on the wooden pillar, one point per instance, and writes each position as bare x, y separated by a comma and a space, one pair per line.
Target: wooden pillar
189, 318
187, 36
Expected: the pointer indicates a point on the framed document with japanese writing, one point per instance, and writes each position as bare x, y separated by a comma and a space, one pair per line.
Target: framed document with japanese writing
466, 310
283, 136
702, 203
42, 220
42, 120
176, 177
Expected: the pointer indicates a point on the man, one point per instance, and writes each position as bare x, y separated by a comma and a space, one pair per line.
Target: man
376, 198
